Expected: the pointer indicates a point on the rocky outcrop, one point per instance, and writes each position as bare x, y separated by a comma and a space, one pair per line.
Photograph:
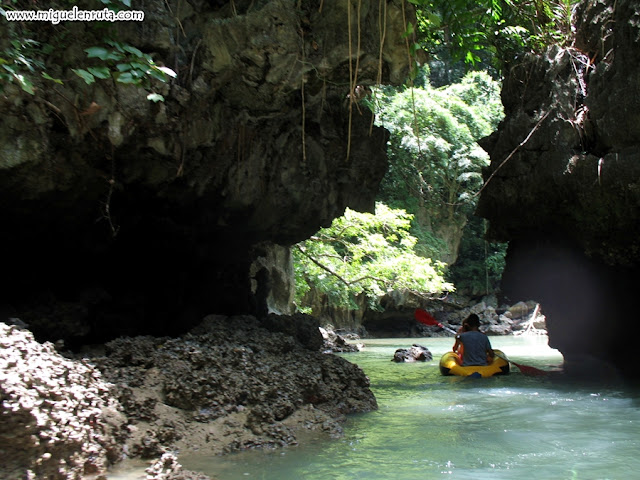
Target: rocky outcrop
231, 383
564, 183
335, 343
58, 420
126, 216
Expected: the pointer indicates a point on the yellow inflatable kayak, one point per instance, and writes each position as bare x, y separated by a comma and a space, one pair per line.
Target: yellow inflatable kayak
450, 364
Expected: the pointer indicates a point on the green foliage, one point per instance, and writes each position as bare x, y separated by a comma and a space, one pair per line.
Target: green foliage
126, 64
364, 254
504, 28
482, 93
16, 61
435, 161
23, 58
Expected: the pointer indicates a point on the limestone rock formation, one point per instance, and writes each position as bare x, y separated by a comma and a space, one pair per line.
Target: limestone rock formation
57, 419
564, 184
229, 384
121, 215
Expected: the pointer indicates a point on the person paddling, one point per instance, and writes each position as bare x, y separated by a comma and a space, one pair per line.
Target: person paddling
457, 346
476, 345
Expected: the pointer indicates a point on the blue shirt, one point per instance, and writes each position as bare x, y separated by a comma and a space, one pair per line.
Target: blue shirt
476, 344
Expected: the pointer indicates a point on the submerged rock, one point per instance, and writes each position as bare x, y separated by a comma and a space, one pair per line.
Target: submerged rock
417, 353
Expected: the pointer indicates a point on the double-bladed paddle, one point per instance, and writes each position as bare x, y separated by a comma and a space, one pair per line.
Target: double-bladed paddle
426, 318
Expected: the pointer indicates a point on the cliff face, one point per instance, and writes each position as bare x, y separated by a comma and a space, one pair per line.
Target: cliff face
564, 184
121, 215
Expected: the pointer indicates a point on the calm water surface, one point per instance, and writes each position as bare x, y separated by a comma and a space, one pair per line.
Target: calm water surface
431, 427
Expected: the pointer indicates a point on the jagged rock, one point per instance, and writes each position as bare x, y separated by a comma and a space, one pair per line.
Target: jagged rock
334, 343
304, 328
498, 329
519, 310
168, 468
228, 385
57, 419
567, 199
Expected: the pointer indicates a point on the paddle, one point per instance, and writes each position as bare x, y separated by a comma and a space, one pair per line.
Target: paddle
527, 370
426, 318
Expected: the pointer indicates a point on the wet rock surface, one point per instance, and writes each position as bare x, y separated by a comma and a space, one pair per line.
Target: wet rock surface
336, 343
167, 467
228, 385
231, 372
415, 353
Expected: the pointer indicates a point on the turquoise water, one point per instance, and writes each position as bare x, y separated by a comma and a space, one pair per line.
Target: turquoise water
432, 427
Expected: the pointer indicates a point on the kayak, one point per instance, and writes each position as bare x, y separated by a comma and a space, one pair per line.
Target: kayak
451, 364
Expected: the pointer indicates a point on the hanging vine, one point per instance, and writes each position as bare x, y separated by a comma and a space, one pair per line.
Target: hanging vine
304, 110
408, 31
353, 72
382, 28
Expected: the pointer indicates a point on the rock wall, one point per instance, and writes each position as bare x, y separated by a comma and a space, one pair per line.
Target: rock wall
564, 184
124, 216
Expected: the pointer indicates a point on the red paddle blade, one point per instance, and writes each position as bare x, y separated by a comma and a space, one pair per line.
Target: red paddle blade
530, 371
425, 317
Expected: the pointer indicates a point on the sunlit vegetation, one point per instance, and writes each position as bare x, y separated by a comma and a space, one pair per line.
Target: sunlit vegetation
492, 31
367, 255
435, 160
434, 175
427, 198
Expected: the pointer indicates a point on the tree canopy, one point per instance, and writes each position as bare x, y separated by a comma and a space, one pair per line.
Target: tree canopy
364, 254
492, 31
426, 199
435, 160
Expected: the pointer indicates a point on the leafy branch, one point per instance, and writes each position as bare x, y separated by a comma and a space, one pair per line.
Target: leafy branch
22, 60
125, 64
328, 269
